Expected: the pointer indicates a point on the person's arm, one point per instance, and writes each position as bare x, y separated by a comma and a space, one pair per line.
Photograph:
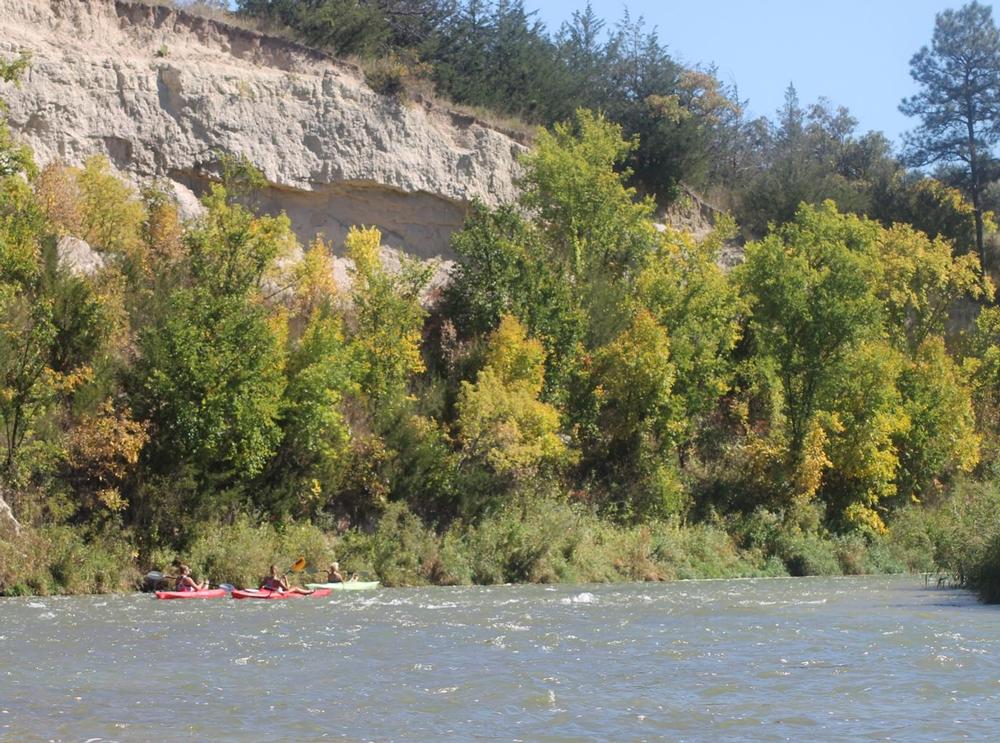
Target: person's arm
283, 581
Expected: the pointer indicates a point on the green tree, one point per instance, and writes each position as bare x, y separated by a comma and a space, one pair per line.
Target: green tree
810, 284
14, 156
959, 101
387, 322
308, 464
210, 376
688, 293
210, 381
807, 156
595, 229
503, 270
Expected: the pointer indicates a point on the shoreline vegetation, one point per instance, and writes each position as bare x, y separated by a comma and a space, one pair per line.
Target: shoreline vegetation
591, 398
540, 540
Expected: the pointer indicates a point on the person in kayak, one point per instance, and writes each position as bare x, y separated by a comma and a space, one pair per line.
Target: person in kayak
279, 583
185, 582
333, 575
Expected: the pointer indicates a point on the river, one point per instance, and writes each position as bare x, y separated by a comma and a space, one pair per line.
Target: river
807, 659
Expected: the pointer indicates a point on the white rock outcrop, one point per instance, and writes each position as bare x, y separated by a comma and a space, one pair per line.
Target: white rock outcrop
77, 257
9, 526
162, 93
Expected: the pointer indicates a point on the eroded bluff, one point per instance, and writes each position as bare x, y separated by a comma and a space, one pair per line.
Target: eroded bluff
162, 93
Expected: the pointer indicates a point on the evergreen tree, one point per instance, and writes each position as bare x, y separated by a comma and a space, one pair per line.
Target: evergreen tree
959, 101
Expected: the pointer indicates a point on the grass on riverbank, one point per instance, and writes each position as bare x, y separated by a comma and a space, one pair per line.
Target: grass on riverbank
538, 539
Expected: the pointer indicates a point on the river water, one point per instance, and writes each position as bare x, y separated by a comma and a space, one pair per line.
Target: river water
808, 659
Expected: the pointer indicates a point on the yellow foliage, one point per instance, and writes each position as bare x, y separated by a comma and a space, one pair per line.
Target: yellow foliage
808, 475
112, 214
163, 230
313, 276
514, 357
112, 499
508, 428
105, 447
862, 517
501, 421
58, 195
634, 377
387, 313
362, 245
923, 279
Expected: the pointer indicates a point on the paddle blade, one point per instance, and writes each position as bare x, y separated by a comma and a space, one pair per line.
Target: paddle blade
299, 565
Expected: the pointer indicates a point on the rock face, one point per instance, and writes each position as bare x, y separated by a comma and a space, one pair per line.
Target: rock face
9, 526
78, 257
162, 93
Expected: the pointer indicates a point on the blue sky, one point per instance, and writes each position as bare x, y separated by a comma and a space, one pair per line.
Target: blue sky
855, 53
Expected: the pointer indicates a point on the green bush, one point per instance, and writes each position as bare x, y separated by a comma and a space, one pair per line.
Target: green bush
67, 560
965, 532
403, 548
984, 574
241, 553
910, 544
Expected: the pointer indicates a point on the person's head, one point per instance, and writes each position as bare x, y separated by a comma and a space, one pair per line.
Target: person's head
274, 571
185, 570
335, 566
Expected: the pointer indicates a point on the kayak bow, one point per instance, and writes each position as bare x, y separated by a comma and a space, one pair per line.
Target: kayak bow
351, 585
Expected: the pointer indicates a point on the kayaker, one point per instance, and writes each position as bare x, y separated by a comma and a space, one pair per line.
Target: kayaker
186, 583
279, 583
334, 575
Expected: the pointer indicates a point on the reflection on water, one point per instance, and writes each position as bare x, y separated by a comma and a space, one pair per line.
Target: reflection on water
795, 659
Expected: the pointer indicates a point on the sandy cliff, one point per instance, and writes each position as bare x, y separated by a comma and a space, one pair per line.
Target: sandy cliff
161, 92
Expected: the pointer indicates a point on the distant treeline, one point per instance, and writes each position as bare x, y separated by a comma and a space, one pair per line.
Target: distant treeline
691, 127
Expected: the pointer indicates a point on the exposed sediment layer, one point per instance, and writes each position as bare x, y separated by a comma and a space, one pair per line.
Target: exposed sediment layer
162, 93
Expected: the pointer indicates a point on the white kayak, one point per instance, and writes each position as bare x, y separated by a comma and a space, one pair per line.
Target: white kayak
351, 585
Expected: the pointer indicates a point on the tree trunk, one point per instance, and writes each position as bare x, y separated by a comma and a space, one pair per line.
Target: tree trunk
977, 209
980, 246
975, 189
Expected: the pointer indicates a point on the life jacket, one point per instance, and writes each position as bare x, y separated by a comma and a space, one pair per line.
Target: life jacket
182, 586
271, 584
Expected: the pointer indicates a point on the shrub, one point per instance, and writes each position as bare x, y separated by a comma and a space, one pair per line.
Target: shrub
386, 75
242, 552
65, 559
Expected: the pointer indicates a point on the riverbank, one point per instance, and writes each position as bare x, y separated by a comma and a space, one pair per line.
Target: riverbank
535, 540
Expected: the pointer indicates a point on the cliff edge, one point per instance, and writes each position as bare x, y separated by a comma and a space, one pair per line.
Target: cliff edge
162, 92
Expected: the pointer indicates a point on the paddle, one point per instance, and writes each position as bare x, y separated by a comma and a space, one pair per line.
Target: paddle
297, 567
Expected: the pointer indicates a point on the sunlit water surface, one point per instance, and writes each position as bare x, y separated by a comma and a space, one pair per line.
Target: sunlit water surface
798, 659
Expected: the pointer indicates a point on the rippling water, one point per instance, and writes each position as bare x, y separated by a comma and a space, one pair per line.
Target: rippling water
796, 659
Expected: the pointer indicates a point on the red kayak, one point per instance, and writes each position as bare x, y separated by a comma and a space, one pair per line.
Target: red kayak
208, 593
275, 595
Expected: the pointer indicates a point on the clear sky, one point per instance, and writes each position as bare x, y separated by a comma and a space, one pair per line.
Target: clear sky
856, 53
